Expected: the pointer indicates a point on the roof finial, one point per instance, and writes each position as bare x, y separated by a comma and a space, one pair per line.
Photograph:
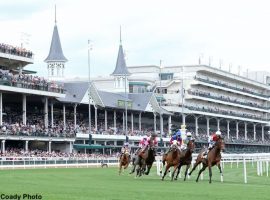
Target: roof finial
120, 36
55, 13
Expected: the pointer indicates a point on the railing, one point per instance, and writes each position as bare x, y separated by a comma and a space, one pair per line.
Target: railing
202, 94
231, 87
38, 134
223, 112
261, 160
54, 162
9, 81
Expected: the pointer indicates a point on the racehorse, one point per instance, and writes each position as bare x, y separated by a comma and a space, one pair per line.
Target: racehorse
124, 161
186, 158
144, 160
172, 159
213, 158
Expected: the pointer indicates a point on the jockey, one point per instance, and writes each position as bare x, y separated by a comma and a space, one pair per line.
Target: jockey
142, 144
153, 137
212, 141
176, 139
125, 148
186, 140
143, 141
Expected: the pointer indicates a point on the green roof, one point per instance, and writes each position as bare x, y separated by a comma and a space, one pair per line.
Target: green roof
138, 83
93, 146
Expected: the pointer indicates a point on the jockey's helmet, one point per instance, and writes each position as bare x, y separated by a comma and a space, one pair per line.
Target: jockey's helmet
218, 133
178, 133
189, 134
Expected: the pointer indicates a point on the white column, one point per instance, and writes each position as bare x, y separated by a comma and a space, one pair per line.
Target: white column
237, 130
26, 145
64, 116
46, 112
161, 124
254, 131
262, 133
155, 123
132, 123
228, 129
75, 116
207, 126
245, 130
114, 119
3, 146
106, 121
24, 109
183, 119
218, 124
84, 148
140, 121
50, 146
123, 121
96, 118
169, 124
70, 147
52, 115
1, 110
196, 125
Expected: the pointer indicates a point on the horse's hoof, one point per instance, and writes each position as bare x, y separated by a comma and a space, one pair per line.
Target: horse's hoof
175, 179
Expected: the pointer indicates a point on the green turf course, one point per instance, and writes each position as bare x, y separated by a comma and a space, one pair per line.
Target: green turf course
106, 184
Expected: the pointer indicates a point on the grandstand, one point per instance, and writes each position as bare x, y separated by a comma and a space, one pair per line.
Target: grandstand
50, 115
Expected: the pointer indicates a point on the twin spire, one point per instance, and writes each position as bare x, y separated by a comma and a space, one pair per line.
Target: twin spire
121, 67
56, 52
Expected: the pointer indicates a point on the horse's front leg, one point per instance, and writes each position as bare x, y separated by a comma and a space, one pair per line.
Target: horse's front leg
220, 170
148, 169
178, 171
210, 172
165, 172
175, 167
134, 163
203, 168
194, 167
188, 165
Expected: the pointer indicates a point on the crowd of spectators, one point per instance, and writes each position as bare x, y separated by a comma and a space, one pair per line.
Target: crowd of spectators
35, 127
224, 111
13, 126
19, 152
224, 98
230, 86
28, 81
18, 51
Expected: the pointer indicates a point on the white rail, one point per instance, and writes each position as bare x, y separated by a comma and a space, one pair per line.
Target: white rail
260, 159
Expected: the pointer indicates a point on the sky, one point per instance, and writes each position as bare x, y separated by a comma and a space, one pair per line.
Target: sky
178, 32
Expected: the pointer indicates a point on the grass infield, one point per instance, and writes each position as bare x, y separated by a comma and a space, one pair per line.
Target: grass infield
106, 184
